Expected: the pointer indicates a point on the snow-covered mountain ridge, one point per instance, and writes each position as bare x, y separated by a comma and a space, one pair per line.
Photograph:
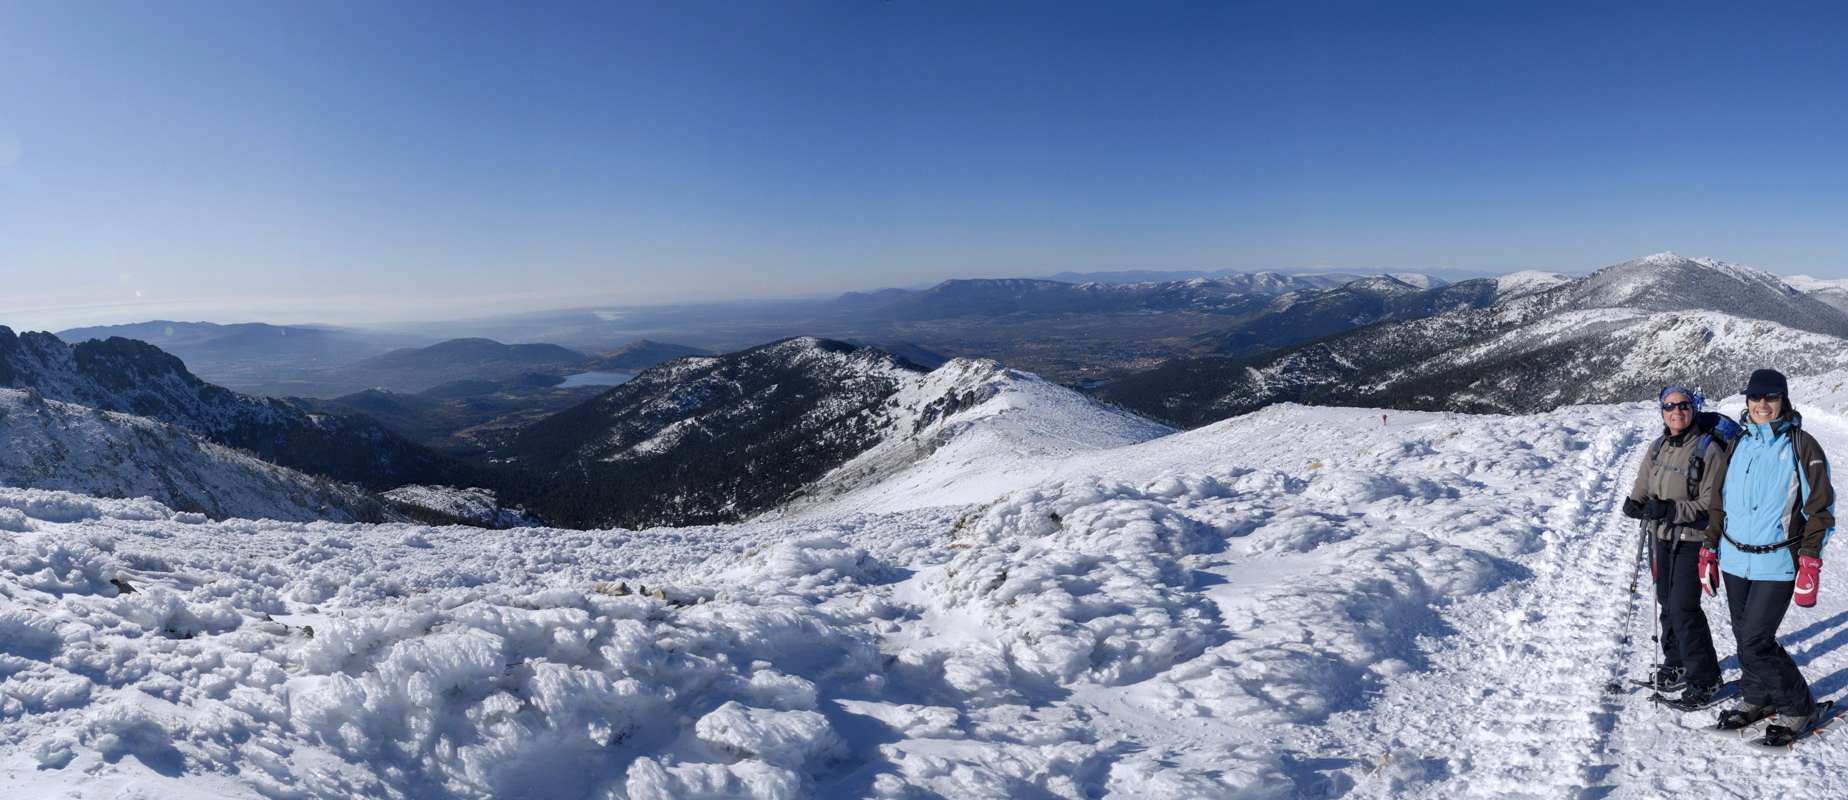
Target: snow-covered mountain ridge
965, 413
1600, 338
722, 438
133, 377
1668, 282
1303, 602
48, 444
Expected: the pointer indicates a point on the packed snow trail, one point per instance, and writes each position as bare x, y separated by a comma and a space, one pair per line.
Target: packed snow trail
1510, 703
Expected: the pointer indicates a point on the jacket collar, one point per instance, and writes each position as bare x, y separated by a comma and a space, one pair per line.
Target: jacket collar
1790, 421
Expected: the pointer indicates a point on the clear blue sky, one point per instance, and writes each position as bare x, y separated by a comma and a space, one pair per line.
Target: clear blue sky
345, 160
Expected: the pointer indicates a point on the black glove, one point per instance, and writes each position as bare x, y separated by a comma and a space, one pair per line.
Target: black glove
1657, 508
1632, 508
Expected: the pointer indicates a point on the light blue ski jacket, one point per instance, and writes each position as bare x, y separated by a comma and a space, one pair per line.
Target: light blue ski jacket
1776, 488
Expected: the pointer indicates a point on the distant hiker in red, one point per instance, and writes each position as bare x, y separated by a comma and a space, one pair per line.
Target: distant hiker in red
1774, 513
1671, 496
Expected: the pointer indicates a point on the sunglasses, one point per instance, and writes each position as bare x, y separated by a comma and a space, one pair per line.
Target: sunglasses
1683, 405
1768, 397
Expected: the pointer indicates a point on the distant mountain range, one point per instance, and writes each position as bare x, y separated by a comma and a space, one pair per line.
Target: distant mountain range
472, 354
326, 362
256, 358
1331, 278
1833, 292
1072, 333
640, 355
489, 391
250, 340
813, 424
1302, 315
1616, 335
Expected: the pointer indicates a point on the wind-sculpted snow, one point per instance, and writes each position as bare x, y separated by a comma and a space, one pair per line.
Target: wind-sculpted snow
1304, 602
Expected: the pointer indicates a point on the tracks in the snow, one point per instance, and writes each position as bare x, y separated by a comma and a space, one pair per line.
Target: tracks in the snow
1514, 703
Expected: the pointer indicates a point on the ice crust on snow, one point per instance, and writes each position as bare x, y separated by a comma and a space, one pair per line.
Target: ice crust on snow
1300, 602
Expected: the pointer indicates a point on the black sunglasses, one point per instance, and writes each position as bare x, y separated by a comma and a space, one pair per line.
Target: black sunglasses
1683, 405
1768, 397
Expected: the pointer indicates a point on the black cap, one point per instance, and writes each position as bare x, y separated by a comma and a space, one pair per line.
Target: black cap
1766, 381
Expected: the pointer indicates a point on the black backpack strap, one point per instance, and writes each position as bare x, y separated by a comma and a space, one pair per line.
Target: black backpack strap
1697, 463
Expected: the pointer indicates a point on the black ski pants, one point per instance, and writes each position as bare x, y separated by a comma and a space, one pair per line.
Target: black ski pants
1687, 641
1767, 676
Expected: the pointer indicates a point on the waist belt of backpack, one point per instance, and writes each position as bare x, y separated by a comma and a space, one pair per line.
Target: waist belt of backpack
1762, 548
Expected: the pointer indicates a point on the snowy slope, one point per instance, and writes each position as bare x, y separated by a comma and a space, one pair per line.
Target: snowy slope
1579, 356
134, 377
472, 505
1669, 282
963, 433
47, 444
791, 425
1598, 339
1301, 602
1526, 282
1831, 291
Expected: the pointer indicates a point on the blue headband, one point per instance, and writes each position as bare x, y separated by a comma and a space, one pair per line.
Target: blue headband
1692, 396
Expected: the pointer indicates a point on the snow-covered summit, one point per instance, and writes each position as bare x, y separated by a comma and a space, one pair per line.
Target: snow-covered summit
1417, 280
952, 430
1387, 285
1667, 282
1808, 284
1526, 282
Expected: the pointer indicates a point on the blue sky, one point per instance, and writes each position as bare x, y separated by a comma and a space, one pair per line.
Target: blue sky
346, 161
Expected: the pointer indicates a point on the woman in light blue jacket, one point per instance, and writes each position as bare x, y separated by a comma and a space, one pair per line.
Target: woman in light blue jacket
1775, 512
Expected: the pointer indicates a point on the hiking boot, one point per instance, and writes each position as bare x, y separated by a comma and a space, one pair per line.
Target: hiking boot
1698, 694
1742, 715
1667, 678
1786, 729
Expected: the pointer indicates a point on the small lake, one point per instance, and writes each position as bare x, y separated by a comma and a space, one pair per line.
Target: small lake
596, 379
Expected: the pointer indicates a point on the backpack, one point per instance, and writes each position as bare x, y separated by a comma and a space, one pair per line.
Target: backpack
1714, 427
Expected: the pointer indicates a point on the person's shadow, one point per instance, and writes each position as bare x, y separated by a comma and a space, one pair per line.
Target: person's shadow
1815, 629
1829, 684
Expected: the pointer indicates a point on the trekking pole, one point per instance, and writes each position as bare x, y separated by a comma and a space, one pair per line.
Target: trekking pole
1636, 571
1655, 602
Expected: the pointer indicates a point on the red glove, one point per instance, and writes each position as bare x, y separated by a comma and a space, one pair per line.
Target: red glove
1709, 571
1809, 572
